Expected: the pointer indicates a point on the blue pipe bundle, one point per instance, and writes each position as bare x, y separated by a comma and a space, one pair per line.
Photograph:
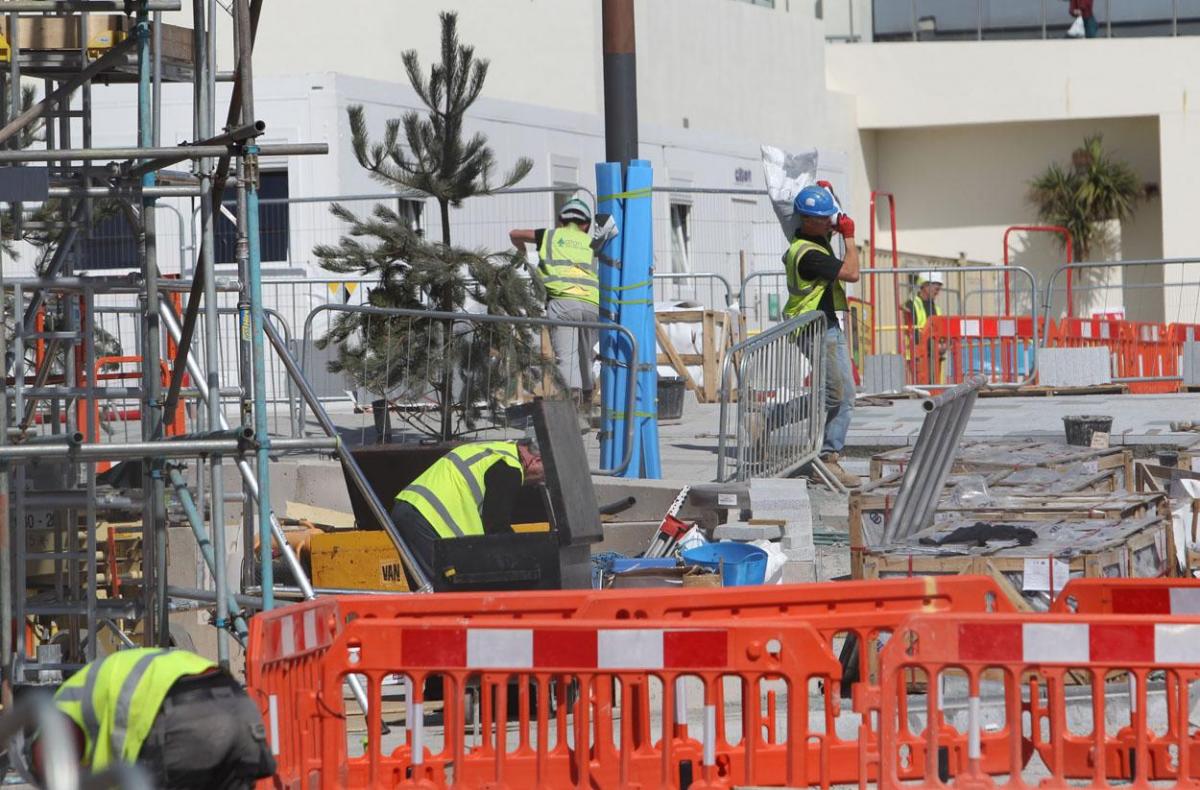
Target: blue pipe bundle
627, 298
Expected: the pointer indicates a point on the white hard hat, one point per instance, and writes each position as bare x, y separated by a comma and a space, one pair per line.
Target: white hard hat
925, 278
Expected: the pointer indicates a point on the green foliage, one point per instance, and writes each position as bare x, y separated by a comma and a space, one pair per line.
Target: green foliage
1094, 189
442, 164
407, 359
413, 361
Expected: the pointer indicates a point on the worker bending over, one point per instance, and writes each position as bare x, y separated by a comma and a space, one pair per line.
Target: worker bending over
567, 269
183, 720
917, 312
814, 278
467, 492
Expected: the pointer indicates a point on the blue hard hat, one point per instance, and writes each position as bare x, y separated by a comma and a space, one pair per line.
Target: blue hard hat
814, 201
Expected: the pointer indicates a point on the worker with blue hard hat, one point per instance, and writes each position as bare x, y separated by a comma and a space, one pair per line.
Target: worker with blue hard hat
815, 279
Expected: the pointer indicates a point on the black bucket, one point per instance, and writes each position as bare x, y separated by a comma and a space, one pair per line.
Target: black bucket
1168, 458
1080, 428
671, 390
383, 421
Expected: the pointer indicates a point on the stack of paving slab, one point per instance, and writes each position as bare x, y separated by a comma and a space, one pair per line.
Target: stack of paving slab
1083, 517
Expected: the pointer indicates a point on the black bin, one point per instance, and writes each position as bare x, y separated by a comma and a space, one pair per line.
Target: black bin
1080, 428
671, 390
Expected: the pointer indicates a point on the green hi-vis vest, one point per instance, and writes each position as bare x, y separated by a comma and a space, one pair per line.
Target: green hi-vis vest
449, 494
568, 266
805, 295
114, 700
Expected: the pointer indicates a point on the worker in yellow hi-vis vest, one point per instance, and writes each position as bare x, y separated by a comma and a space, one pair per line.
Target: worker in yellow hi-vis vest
567, 268
917, 312
174, 713
467, 492
815, 278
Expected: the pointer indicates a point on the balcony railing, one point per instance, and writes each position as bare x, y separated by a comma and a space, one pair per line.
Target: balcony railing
989, 20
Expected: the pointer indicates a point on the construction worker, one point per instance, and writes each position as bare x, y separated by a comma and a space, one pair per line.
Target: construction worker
186, 722
468, 491
567, 268
917, 312
815, 278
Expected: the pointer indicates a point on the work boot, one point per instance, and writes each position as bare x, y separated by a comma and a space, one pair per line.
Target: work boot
845, 478
583, 408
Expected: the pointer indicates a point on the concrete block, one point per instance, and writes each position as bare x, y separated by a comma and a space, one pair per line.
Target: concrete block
630, 538
1074, 367
744, 531
786, 500
1191, 363
799, 572
883, 373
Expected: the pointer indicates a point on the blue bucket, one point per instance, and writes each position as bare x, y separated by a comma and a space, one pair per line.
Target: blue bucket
739, 563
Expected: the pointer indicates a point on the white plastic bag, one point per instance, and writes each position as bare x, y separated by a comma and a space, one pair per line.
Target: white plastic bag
1076, 29
786, 174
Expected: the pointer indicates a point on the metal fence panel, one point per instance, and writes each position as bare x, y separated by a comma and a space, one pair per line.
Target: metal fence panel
779, 418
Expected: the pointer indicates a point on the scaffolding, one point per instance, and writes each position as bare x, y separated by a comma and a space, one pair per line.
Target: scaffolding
64, 587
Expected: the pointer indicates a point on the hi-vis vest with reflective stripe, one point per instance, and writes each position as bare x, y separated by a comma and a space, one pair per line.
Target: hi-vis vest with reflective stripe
568, 266
449, 494
114, 700
805, 295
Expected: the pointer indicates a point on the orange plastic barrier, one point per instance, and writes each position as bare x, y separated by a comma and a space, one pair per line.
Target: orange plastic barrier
953, 348
1100, 656
585, 741
1137, 350
1129, 596
870, 611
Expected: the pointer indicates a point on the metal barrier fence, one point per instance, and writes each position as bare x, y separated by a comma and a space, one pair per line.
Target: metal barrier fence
929, 20
972, 350
1154, 290
122, 324
494, 367
780, 393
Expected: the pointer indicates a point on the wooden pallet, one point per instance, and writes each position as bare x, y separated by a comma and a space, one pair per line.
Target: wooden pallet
976, 457
1138, 547
717, 328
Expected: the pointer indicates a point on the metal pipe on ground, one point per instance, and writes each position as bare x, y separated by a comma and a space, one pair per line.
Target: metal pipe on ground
932, 458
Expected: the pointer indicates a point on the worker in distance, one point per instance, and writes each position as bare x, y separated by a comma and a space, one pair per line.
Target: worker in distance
567, 268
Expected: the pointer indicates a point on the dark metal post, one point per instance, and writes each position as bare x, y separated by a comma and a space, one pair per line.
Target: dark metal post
620, 82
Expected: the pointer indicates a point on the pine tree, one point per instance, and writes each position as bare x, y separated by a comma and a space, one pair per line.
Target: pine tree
414, 361
442, 164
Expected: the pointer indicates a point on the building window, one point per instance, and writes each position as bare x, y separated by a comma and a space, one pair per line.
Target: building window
111, 243
681, 237
273, 230
412, 214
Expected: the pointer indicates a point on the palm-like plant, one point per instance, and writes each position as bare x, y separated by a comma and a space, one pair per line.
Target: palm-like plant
1095, 189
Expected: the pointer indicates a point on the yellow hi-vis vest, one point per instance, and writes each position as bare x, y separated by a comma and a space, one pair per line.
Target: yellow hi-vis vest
805, 295
568, 266
449, 494
114, 700
920, 317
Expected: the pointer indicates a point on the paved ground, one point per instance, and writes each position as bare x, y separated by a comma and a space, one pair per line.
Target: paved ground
689, 446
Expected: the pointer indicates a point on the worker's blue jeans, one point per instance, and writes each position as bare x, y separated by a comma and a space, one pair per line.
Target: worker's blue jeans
839, 391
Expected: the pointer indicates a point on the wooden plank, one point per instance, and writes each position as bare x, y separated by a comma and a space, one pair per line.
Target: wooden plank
708, 340
319, 515
664, 342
